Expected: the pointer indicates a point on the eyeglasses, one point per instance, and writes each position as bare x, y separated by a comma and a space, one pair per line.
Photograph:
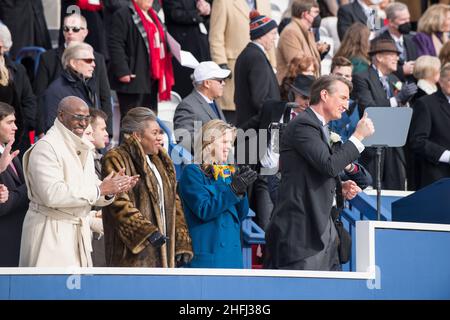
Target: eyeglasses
74, 29
87, 60
79, 117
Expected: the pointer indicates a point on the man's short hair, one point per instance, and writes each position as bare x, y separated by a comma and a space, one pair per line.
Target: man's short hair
79, 16
97, 113
393, 8
340, 61
5, 110
326, 83
300, 6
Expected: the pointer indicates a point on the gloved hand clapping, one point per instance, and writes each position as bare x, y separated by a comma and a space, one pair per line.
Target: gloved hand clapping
182, 259
407, 92
157, 239
242, 179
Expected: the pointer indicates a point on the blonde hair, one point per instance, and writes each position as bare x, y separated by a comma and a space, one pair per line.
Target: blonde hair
426, 67
4, 72
210, 131
433, 18
5, 38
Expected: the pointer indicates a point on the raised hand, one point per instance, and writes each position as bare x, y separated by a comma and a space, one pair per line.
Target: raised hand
242, 179
364, 128
7, 157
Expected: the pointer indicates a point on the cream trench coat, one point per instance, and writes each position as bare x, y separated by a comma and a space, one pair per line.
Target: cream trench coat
62, 188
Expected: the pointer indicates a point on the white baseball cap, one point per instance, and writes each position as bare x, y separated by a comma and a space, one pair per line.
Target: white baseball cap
209, 70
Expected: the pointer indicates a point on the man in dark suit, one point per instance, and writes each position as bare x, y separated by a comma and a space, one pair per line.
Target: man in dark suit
357, 11
50, 66
380, 87
200, 106
12, 212
429, 137
255, 80
398, 30
276, 112
301, 234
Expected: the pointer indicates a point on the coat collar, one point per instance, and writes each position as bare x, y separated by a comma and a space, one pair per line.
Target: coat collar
242, 7
204, 104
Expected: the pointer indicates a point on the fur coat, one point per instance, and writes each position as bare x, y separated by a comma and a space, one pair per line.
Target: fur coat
135, 215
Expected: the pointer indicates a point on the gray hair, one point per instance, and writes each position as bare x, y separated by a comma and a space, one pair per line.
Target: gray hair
73, 52
136, 120
426, 66
393, 8
5, 37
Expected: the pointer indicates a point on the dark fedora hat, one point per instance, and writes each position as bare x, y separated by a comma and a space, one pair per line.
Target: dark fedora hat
378, 45
302, 85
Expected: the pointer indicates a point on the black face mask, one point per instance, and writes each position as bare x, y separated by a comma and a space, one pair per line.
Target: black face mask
316, 22
404, 28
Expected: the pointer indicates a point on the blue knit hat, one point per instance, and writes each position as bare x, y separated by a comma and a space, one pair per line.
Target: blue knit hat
260, 25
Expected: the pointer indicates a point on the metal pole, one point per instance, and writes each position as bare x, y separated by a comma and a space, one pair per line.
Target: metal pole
379, 183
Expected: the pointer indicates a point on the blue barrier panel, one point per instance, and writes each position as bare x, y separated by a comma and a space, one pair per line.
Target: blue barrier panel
411, 264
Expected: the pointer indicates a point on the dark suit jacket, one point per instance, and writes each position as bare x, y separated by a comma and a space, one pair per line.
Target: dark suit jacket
411, 54
194, 108
429, 137
50, 68
128, 53
308, 185
369, 92
24, 104
348, 14
12, 213
255, 82
182, 21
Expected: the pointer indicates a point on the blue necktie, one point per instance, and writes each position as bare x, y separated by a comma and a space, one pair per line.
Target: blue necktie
214, 107
386, 87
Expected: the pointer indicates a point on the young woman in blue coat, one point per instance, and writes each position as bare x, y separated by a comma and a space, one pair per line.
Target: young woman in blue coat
214, 199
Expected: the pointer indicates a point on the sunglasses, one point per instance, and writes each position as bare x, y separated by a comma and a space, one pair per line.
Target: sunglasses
221, 81
74, 29
87, 60
79, 117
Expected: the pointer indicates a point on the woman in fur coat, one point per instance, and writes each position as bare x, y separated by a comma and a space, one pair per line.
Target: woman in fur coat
144, 227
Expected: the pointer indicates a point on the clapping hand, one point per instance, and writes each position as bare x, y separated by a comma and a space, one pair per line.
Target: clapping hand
407, 92
243, 178
7, 157
203, 7
350, 189
116, 183
4, 194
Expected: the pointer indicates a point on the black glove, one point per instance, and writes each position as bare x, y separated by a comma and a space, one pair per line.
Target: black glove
157, 239
225, 66
182, 259
242, 179
407, 92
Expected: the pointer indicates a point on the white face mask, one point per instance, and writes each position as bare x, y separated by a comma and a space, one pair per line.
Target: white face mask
375, 2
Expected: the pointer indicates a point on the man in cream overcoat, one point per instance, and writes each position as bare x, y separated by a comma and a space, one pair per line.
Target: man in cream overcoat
62, 188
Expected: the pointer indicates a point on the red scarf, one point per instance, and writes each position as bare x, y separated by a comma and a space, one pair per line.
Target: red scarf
160, 67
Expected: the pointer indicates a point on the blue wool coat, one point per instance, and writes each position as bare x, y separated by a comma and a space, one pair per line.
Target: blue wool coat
213, 214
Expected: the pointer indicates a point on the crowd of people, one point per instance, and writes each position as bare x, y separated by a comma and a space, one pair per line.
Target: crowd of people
271, 126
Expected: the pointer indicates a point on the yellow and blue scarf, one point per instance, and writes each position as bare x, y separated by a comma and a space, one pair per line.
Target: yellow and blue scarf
223, 171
